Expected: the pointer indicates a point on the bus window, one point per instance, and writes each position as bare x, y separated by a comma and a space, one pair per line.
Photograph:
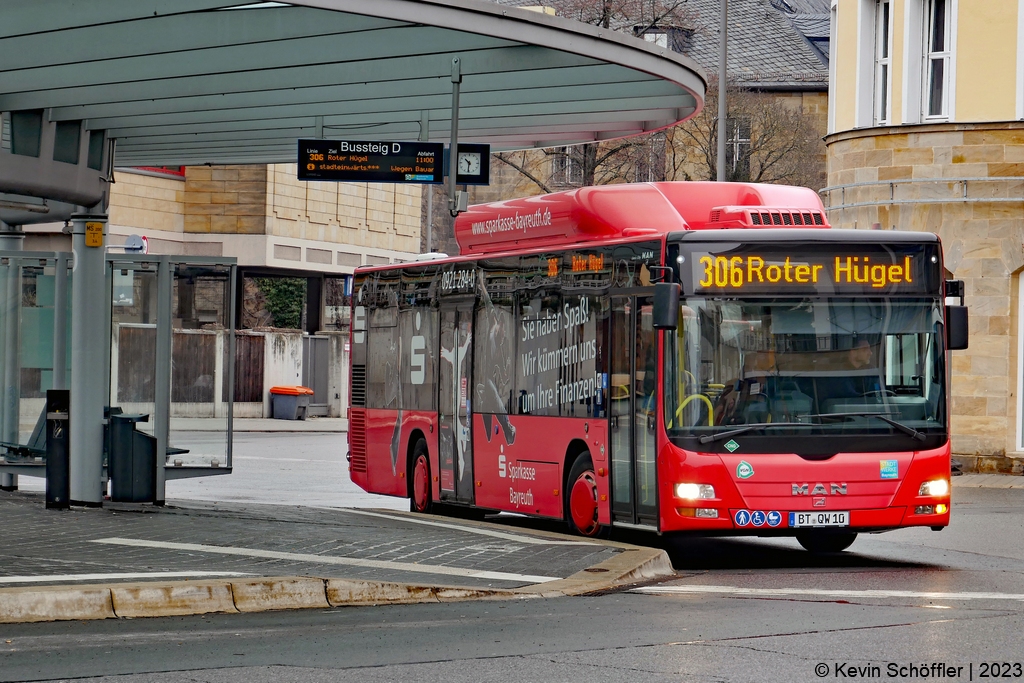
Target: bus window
539, 335
495, 341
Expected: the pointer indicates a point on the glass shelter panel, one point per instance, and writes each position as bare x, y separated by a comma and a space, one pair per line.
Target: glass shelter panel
133, 329
29, 347
201, 340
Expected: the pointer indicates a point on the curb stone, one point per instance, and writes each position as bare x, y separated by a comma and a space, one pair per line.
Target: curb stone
257, 594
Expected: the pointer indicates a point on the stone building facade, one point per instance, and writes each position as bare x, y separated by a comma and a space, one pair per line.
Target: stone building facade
264, 216
924, 135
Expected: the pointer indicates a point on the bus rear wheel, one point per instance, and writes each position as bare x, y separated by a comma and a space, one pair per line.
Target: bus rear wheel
819, 542
581, 505
420, 500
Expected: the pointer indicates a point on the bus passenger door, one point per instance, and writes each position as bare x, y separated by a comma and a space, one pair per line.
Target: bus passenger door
632, 412
455, 444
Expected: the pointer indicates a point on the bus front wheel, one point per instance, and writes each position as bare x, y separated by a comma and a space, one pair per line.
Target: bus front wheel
819, 542
420, 494
581, 506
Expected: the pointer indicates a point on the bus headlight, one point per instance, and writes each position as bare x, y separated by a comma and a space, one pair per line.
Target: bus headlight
695, 491
935, 487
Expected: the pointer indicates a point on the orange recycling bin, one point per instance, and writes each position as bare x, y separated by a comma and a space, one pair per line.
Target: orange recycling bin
290, 403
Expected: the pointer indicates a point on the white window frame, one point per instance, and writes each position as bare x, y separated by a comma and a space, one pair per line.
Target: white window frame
882, 102
736, 143
945, 56
913, 56
657, 36
864, 95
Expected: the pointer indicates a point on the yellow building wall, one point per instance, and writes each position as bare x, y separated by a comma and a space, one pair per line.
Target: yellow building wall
147, 201
374, 215
845, 68
985, 57
986, 54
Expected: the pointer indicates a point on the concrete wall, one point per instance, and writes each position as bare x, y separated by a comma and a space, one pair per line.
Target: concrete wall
338, 368
282, 366
282, 363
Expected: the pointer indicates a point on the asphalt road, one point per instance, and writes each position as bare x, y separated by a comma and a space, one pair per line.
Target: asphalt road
904, 606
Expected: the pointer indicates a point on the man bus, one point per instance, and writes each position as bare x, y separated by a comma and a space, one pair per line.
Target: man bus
705, 357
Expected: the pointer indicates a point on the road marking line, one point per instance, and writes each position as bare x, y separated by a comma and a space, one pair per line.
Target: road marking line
121, 575
483, 532
823, 592
329, 559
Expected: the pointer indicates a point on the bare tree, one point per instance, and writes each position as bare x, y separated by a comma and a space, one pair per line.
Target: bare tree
770, 140
637, 16
629, 160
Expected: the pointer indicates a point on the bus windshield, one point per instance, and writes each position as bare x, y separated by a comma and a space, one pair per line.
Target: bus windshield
807, 365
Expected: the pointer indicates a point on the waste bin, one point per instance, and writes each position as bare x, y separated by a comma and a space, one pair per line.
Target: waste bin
132, 461
290, 403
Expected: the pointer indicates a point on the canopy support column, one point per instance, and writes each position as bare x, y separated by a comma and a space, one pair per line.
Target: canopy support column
11, 239
89, 343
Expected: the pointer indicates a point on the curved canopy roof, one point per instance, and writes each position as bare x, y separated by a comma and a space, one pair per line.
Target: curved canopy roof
208, 81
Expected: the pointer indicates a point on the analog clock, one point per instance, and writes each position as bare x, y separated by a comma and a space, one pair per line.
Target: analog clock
469, 163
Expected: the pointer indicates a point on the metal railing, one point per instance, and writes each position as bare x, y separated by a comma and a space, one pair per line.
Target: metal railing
962, 192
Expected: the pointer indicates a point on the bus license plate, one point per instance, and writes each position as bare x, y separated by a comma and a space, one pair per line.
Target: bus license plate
818, 519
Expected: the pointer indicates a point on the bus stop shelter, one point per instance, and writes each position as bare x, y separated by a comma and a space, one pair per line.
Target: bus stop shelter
186, 82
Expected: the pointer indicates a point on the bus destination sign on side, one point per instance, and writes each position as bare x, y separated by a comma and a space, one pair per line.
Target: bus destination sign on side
371, 161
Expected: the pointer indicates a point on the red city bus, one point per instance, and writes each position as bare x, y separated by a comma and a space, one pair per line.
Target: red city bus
679, 357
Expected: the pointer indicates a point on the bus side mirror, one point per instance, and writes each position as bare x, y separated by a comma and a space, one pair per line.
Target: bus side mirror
666, 305
956, 328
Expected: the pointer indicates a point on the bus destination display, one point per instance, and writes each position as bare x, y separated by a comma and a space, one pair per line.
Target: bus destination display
852, 269
371, 161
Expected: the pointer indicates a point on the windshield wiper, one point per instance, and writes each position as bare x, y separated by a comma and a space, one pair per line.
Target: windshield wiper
909, 431
709, 438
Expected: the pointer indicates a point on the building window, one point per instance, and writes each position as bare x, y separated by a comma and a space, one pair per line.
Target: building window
650, 159
936, 63
883, 62
672, 37
567, 166
737, 149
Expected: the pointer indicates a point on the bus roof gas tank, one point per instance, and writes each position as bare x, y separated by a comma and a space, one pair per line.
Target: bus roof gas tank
604, 212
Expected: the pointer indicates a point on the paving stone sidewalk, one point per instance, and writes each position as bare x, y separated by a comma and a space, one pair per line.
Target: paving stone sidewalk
48, 543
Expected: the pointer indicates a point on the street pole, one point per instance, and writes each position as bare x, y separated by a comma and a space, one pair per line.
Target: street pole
429, 189
89, 342
453, 148
723, 79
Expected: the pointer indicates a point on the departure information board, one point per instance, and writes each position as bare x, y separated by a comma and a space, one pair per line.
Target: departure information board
371, 161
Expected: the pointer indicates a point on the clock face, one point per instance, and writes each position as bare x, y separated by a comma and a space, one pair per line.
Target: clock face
469, 163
